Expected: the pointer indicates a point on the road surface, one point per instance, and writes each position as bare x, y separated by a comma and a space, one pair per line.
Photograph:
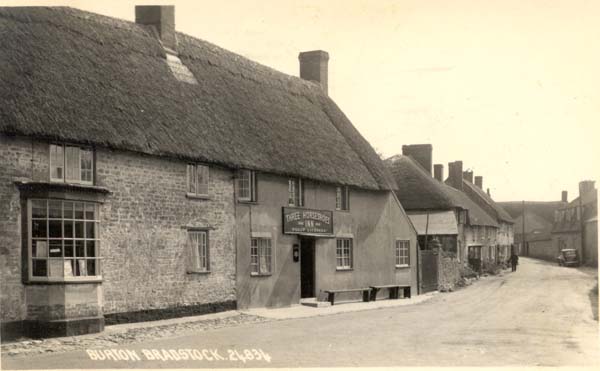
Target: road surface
542, 315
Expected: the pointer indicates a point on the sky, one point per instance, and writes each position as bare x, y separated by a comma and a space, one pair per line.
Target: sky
509, 87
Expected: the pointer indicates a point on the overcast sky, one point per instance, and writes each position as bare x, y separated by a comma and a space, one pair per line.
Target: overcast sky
511, 88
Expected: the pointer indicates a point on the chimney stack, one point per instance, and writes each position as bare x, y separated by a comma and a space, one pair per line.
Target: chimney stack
314, 67
479, 182
438, 172
421, 153
564, 196
162, 18
455, 174
585, 186
468, 175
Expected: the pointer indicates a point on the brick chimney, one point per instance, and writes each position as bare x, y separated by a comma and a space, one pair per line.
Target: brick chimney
162, 18
421, 153
479, 181
586, 186
438, 172
314, 67
564, 196
468, 175
455, 174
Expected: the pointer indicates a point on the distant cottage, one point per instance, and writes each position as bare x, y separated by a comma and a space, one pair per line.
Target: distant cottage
147, 174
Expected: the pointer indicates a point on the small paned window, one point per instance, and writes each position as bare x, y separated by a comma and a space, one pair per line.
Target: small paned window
342, 198
198, 241
295, 192
71, 164
402, 253
246, 185
343, 253
260, 256
197, 180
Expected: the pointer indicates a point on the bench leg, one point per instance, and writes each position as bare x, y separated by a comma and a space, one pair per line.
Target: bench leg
394, 293
366, 295
374, 294
407, 292
330, 297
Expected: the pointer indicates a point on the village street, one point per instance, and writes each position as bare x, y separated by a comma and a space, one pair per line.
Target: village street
542, 315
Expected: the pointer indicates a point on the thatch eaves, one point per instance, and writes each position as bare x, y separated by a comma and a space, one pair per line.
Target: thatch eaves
75, 76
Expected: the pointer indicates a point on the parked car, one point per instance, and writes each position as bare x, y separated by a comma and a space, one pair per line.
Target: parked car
568, 258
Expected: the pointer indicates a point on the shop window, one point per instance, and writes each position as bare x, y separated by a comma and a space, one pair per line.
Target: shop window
246, 185
197, 180
342, 198
260, 256
295, 192
198, 242
63, 240
402, 253
71, 164
343, 253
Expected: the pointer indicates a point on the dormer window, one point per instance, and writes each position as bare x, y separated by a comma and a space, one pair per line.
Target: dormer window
71, 164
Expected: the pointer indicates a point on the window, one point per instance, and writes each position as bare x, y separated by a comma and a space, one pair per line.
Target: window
343, 253
295, 192
402, 253
197, 180
200, 254
71, 164
260, 256
342, 198
63, 240
246, 185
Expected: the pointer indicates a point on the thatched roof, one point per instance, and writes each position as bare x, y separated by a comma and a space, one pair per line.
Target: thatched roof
80, 77
544, 209
417, 190
481, 197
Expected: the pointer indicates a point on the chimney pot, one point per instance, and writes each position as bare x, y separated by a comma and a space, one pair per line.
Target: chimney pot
455, 174
468, 175
314, 67
479, 182
438, 172
162, 17
564, 196
488, 192
421, 153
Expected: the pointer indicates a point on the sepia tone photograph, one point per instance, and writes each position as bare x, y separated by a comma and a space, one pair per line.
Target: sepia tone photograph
299, 184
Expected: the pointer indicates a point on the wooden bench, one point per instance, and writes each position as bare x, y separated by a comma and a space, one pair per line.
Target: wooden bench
331, 293
394, 291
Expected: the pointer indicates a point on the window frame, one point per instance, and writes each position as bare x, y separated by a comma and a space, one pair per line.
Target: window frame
342, 198
349, 257
65, 170
196, 258
269, 247
196, 167
399, 257
97, 277
295, 192
252, 186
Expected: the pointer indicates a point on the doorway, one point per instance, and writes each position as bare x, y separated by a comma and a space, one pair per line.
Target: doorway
307, 267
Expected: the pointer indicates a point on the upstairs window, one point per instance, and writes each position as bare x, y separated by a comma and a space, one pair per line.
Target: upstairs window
342, 198
71, 164
295, 192
402, 253
246, 185
197, 180
198, 241
260, 256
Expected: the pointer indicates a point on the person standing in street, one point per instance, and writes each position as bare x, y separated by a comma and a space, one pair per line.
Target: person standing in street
514, 260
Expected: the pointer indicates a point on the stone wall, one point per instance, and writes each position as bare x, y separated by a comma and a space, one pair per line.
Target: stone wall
448, 271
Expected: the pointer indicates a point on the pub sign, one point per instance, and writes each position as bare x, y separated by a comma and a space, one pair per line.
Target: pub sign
307, 221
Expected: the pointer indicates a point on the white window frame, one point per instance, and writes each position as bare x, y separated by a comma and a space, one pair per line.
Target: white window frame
402, 250
193, 185
74, 258
261, 248
295, 192
344, 254
249, 177
342, 198
199, 245
63, 164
